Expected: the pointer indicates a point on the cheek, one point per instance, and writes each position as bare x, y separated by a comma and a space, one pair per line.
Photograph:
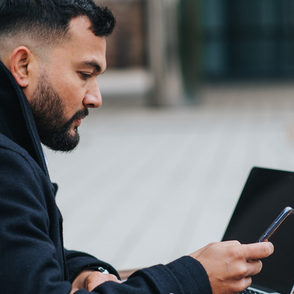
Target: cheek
73, 102
71, 93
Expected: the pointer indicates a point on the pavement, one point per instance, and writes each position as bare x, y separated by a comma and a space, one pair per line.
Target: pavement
148, 185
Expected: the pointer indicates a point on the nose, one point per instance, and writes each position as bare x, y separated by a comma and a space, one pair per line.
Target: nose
93, 98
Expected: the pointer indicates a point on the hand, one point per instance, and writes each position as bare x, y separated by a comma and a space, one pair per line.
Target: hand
230, 265
89, 280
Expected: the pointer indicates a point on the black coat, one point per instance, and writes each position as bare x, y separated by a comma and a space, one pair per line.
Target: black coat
32, 256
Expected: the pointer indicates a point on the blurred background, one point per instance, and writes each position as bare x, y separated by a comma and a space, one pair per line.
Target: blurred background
197, 92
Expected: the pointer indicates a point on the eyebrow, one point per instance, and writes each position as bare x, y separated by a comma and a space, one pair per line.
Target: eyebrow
92, 64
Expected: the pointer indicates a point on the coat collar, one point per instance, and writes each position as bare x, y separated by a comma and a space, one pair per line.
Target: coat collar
16, 118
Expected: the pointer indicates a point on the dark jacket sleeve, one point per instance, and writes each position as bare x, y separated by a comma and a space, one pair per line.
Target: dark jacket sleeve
79, 261
32, 262
182, 276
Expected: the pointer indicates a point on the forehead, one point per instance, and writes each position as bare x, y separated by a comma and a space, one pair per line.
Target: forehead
82, 45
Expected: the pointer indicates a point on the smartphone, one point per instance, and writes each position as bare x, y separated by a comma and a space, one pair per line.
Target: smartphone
276, 225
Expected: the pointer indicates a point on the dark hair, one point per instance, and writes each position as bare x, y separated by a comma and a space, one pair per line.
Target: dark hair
48, 20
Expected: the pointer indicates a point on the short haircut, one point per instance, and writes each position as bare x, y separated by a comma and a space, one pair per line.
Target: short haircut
47, 21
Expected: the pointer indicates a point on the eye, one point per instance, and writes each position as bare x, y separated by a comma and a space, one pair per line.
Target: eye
85, 76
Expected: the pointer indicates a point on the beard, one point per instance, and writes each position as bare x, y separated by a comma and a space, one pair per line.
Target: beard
48, 111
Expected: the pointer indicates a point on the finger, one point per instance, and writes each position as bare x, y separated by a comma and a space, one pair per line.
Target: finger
240, 285
113, 278
257, 250
96, 278
254, 267
247, 283
105, 277
230, 243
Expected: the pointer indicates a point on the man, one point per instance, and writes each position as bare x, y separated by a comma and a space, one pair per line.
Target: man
51, 54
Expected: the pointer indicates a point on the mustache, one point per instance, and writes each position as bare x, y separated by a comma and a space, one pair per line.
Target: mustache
79, 114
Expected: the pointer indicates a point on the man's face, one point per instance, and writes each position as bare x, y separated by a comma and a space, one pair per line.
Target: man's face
67, 86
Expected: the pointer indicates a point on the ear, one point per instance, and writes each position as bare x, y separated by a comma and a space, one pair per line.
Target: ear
19, 64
